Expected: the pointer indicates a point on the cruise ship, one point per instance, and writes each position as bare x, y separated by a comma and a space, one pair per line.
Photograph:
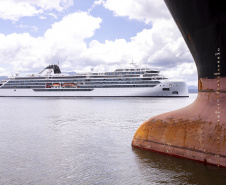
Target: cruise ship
128, 82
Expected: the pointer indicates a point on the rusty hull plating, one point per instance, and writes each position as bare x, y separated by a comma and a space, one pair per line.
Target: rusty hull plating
198, 131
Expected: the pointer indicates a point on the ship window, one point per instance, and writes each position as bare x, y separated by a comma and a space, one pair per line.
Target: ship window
165, 89
175, 92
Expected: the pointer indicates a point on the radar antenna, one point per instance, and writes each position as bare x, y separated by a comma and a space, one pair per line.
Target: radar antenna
134, 64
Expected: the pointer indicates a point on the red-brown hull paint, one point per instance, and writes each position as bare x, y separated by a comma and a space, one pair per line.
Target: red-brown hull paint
204, 162
196, 132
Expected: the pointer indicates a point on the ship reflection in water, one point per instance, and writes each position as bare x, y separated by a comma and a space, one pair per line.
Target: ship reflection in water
88, 141
162, 169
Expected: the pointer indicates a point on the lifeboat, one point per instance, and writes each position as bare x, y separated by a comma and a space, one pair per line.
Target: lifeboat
69, 85
56, 85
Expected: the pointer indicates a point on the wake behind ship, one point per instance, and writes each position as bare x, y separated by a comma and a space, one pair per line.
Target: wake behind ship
135, 81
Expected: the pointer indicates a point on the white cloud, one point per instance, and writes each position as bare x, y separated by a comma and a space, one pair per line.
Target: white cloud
15, 9
64, 42
144, 10
77, 26
32, 28
159, 47
185, 72
53, 15
98, 2
42, 17
3, 72
162, 46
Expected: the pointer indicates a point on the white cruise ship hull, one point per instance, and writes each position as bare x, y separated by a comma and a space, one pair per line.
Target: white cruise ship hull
164, 89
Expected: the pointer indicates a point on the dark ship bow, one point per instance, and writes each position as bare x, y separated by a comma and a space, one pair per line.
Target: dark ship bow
198, 131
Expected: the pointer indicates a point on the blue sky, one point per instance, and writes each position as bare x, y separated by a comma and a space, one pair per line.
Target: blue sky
112, 27
104, 34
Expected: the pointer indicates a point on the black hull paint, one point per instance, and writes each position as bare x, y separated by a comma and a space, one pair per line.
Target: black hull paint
198, 131
203, 26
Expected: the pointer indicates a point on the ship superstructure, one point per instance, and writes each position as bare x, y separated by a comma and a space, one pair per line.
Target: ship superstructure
133, 81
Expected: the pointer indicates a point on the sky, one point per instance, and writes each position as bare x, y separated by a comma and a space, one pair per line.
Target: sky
80, 34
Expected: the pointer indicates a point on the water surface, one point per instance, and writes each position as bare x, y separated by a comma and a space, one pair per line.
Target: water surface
88, 141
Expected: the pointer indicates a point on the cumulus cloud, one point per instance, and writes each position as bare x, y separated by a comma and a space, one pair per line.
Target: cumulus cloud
3, 72
160, 47
143, 10
96, 3
63, 42
185, 72
15, 9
